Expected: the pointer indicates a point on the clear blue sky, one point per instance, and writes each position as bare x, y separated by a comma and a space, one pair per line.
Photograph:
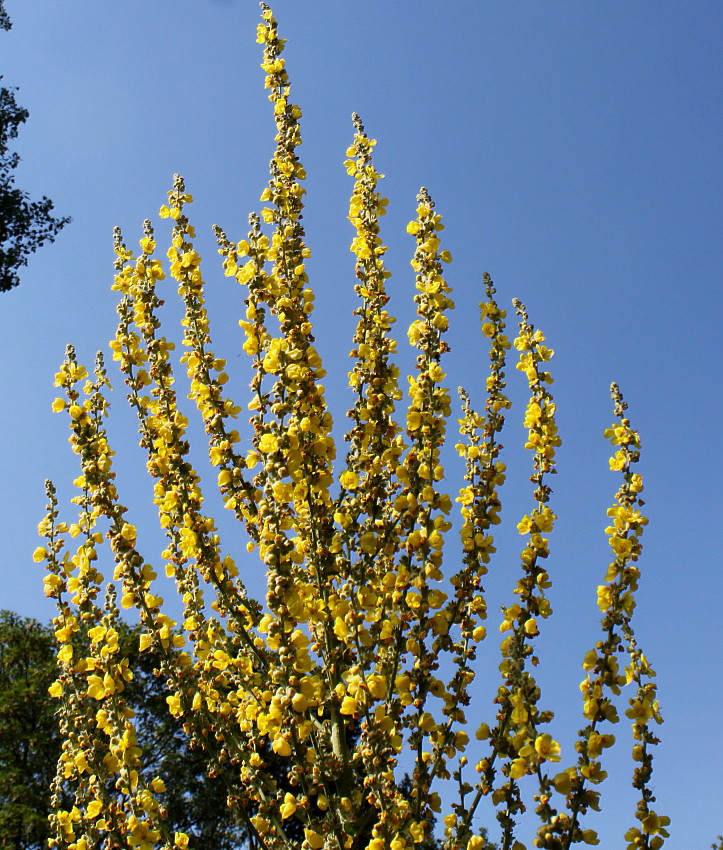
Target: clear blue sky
573, 149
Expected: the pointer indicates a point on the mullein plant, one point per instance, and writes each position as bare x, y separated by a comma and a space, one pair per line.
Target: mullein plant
360, 660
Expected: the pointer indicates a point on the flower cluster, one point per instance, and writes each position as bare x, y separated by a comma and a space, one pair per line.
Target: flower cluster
516, 737
100, 758
359, 661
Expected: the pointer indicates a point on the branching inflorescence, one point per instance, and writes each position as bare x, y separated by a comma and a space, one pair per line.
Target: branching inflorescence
358, 664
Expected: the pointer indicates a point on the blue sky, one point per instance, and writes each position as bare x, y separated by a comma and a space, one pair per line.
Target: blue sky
573, 150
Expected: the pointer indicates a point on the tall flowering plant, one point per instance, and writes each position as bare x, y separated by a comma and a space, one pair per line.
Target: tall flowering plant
358, 663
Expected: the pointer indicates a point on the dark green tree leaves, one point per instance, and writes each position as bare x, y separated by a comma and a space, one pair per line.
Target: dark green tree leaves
29, 741
25, 225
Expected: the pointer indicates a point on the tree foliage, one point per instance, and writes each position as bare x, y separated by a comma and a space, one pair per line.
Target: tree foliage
29, 741
25, 225
357, 666
5, 22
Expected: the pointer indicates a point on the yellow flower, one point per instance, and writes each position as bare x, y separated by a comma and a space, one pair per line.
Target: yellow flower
617, 461
281, 747
518, 768
288, 807
268, 443
94, 809
604, 598
377, 686
314, 840
145, 640
174, 705
563, 782
52, 583
368, 542
349, 480
65, 653
349, 706
128, 532
96, 688
547, 748
621, 546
